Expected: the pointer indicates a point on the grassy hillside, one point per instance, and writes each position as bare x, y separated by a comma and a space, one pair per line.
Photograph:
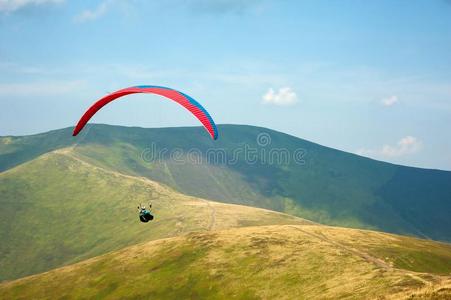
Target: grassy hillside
330, 186
15, 150
58, 209
265, 262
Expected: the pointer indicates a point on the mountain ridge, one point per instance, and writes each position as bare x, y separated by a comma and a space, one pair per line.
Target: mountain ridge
70, 129
332, 186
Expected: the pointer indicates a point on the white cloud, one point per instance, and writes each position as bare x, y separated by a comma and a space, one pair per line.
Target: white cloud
389, 101
406, 145
8, 6
284, 96
47, 88
93, 14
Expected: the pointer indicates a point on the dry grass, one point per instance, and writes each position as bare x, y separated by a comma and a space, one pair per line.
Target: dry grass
263, 262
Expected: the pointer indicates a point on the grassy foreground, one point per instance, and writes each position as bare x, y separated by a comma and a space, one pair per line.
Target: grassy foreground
264, 262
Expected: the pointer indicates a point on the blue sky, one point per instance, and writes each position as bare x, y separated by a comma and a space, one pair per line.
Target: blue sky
368, 77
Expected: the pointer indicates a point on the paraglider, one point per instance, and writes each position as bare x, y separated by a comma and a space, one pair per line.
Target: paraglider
186, 101
145, 215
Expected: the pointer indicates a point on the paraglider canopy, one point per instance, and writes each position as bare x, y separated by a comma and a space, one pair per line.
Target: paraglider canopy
186, 101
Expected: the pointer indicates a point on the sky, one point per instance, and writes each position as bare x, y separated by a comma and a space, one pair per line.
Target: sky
367, 77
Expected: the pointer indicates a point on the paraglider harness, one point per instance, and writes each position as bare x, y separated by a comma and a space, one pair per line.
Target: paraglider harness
145, 215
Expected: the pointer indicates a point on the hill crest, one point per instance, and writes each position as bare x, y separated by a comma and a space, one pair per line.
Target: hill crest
330, 186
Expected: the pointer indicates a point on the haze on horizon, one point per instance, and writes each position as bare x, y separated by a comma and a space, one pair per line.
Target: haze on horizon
372, 78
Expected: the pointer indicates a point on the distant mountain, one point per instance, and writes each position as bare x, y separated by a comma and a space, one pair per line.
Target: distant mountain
264, 168
57, 209
260, 262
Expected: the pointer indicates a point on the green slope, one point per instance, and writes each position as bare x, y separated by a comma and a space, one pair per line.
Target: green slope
57, 209
331, 186
265, 262
15, 150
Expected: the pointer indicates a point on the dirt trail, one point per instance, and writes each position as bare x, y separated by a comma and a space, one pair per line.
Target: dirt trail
212, 224
69, 152
378, 262
371, 259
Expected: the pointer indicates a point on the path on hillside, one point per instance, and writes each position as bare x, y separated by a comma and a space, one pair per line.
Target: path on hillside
68, 152
157, 187
367, 257
378, 262
212, 224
